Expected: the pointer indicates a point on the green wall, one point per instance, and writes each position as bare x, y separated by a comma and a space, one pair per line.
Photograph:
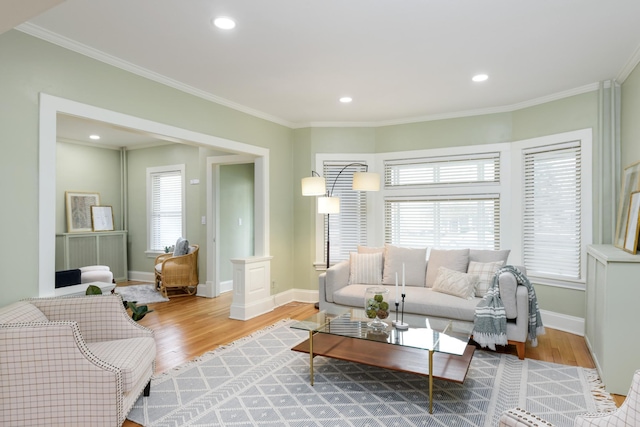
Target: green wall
29, 66
236, 204
87, 169
630, 121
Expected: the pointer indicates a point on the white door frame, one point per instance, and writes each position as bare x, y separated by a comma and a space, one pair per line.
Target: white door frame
51, 105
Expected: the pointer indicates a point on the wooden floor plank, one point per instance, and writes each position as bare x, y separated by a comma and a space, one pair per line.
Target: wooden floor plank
187, 327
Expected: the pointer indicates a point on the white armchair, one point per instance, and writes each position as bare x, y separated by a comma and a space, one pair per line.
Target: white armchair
72, 361
627, 415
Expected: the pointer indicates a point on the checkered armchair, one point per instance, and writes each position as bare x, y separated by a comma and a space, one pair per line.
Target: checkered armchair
75, 361
627, 415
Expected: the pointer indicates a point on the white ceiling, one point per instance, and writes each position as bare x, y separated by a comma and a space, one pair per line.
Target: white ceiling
290, 60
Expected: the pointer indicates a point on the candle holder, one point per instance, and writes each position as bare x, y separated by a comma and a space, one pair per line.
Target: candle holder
400, 325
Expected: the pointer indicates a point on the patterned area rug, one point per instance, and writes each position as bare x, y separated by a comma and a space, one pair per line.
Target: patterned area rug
259, 381
142, 294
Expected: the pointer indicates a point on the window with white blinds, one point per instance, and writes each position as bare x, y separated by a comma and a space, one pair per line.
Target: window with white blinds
165, 206
444, 222
461, 169
552, 235
348, 229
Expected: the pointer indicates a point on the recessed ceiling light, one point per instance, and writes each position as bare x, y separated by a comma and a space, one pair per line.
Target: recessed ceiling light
480, 77
346, 99
96, 137
224, 23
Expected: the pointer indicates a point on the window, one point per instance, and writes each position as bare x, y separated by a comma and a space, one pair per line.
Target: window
165, 206
552, 221
448, 202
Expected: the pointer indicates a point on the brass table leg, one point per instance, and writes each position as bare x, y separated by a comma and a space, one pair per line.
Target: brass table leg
311, 356
431, 381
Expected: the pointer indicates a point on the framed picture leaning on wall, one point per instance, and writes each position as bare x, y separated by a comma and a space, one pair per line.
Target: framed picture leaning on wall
79, 210
102, 218
633, 221
630, 183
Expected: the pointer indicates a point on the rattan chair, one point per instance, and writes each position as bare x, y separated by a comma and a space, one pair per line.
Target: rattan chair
177, 272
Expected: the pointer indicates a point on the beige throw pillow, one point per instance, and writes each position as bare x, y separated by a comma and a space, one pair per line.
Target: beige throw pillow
456, 259
365, 269
415, 265
455, 283
485, 272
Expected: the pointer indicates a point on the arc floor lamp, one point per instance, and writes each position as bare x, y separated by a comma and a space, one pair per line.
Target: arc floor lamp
316, 185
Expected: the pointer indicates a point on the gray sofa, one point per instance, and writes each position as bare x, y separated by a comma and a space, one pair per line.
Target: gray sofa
341, 285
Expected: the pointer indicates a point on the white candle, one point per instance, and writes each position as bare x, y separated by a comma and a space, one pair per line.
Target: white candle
397, 299
403, 279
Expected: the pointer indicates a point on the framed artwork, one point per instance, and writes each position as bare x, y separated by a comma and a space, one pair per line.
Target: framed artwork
633, 222
102, 218
630, 183
79, 210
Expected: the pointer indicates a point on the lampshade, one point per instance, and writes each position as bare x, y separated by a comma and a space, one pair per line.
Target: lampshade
313, 186
328, 205
366, 181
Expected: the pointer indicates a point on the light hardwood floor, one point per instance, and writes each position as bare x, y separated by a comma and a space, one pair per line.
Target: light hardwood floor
188, 326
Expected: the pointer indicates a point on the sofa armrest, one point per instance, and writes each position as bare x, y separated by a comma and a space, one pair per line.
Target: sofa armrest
99, 317
335, 278
520, 418
45, 360
508, 291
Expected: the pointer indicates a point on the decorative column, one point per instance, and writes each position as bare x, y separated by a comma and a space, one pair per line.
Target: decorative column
251, 287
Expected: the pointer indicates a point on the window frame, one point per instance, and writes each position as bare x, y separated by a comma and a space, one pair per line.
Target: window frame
157, 170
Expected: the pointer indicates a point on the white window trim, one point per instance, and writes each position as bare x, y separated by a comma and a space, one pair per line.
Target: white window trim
516, 244
320, 263
159, 169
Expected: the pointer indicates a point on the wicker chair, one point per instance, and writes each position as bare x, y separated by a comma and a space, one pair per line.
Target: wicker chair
178, 272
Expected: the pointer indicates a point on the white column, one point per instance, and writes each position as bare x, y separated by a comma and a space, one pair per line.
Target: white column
251, 287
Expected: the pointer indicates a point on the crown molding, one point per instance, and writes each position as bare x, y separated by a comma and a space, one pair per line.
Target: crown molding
72, 45
629, 66
67, 43
469, 113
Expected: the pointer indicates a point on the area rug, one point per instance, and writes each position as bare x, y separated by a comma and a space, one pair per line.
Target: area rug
142, 294
259, 381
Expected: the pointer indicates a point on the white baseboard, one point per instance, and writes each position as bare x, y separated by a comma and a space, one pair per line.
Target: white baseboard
226, 286
563, 322
142, 276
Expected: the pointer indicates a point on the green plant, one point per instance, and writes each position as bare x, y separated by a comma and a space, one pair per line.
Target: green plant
93, 290
138, 312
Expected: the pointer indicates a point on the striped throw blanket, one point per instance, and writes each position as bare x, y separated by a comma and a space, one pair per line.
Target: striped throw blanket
490, 323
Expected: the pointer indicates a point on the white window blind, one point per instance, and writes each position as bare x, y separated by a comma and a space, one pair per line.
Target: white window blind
166, 208
444, 222
552, 211
348, 228
473, 168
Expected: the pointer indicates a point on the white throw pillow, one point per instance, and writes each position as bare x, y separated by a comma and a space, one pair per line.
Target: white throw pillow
365, 269
415, 265
485, 272
455, 283
455, 259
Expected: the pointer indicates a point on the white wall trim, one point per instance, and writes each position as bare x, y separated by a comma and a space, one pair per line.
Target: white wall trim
51, 105
563, 322
141, 276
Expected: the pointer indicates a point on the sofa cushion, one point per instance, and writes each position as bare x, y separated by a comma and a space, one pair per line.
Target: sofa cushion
365, 269
427, 302
480, 255
21, 312
485, 272
371, 250
456, 259
455, 283
415, 263
133, 356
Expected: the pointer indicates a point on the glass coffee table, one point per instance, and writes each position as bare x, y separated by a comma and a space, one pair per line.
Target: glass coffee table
436, 348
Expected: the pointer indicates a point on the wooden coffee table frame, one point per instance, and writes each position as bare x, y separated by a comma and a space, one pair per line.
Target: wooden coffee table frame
384, 355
